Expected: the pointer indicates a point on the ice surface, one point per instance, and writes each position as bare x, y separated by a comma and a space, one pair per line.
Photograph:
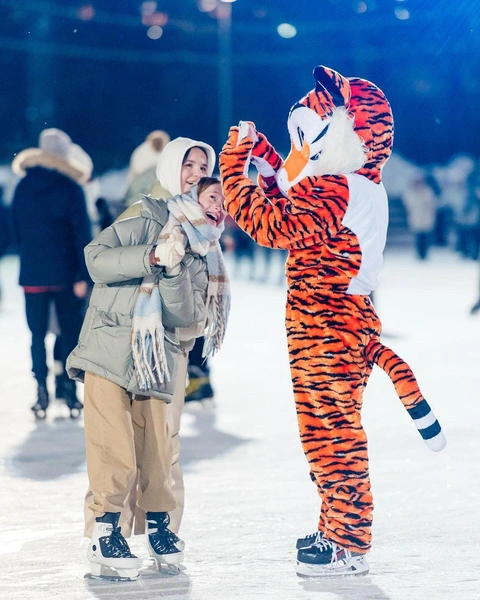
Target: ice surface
249, 495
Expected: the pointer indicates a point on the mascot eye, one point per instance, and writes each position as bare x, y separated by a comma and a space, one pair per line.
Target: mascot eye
301, 135
316, 156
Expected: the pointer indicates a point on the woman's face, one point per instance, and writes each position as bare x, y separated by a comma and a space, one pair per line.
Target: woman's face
194, 167
211, 201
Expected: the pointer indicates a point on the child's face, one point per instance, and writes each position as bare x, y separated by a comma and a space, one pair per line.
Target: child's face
211, 200
194, 167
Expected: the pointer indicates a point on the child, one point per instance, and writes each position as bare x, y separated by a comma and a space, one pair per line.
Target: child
159, 277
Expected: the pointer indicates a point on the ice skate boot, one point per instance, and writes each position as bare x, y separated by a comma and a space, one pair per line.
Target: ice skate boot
326, 559
309, 540
70, 396
164, 546
41, 405
109, 554
59, 387
199, 392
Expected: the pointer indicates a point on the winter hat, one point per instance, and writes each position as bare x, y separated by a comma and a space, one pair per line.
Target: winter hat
55, 141
146, 155
79, 159
56, 151
169, 166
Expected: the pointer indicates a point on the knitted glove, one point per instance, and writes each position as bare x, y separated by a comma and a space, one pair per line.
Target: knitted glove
170, 253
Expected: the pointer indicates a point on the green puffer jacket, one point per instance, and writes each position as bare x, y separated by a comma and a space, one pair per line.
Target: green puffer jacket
117, 261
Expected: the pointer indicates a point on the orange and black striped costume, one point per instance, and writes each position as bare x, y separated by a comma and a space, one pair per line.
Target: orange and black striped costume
327, 206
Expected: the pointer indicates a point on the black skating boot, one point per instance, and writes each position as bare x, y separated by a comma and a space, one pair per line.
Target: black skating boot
199, 392
108, 553
164, 546
59, 387
309, 540
70, 396
41, 405
325, 558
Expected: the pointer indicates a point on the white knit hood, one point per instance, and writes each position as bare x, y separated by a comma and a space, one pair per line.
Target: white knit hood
169, 166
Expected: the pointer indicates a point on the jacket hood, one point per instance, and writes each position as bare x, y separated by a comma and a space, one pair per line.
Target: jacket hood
169, 166
78, 167
146, 156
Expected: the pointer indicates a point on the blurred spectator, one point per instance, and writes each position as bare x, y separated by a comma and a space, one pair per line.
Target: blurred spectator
52, 228
5, 231
105, 217
453, 184
243, 249
143, 163
421, 206
469, 222
270, 254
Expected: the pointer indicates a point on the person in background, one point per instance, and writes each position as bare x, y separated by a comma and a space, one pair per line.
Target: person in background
421, 206
51, 227
5, 231
474, 200
143, 164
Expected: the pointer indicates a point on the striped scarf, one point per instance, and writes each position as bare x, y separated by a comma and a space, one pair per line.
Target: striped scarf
148, 347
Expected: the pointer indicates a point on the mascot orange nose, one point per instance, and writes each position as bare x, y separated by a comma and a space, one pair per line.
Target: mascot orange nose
296, 161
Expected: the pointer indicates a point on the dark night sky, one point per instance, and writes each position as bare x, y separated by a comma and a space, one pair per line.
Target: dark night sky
107, 84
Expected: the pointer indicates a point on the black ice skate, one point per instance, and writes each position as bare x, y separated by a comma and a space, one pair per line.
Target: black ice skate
309, 540
164, 546
70, 397
326, 559
41, 405
199, 392
60, 387
109, 554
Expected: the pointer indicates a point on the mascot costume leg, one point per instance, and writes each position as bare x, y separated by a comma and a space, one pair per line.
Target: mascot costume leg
327, 206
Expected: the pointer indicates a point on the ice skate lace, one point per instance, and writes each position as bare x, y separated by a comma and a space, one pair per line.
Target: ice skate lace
337, 553
313, 537
118, 544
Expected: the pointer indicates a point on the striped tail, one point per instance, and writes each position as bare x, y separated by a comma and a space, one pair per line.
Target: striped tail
409, 393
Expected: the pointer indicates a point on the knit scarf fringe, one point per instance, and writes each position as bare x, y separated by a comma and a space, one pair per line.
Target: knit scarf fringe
148, 332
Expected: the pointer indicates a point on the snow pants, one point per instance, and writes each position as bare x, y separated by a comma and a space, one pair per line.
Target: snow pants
328, 331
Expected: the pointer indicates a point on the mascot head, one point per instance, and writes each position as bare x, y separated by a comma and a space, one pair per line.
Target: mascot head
344, 125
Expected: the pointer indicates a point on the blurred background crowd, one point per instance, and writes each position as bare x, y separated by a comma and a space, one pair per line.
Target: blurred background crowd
120, 78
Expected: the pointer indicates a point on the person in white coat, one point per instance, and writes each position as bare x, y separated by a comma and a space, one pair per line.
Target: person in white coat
421, 206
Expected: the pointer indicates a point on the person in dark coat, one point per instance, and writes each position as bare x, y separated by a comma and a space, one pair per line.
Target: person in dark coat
52, 228
5, 230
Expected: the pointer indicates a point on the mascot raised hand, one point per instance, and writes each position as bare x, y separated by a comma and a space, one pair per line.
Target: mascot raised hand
327, 206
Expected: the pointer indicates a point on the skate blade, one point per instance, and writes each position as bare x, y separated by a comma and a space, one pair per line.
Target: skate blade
111, 574
168, 566
171, 570
353, 570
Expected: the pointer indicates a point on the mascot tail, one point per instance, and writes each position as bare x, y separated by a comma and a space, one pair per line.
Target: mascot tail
409, 393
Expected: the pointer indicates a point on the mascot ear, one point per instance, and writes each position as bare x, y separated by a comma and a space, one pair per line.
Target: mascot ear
328, 80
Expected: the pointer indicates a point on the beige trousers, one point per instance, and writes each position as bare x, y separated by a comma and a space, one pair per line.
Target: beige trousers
132, 519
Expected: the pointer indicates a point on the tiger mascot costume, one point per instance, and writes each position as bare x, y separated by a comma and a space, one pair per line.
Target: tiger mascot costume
327, 206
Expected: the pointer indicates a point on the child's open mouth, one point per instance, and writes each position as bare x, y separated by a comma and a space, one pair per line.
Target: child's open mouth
213, 217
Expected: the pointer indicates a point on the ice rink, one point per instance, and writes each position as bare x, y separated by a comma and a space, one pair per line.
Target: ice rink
249, 495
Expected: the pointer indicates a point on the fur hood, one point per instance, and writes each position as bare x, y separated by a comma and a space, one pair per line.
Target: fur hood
35, 157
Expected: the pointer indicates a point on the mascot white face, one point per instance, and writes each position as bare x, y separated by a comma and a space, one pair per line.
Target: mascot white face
307, 134
321, 145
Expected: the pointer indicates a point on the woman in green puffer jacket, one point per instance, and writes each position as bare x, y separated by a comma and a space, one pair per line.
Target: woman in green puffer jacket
156, 289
